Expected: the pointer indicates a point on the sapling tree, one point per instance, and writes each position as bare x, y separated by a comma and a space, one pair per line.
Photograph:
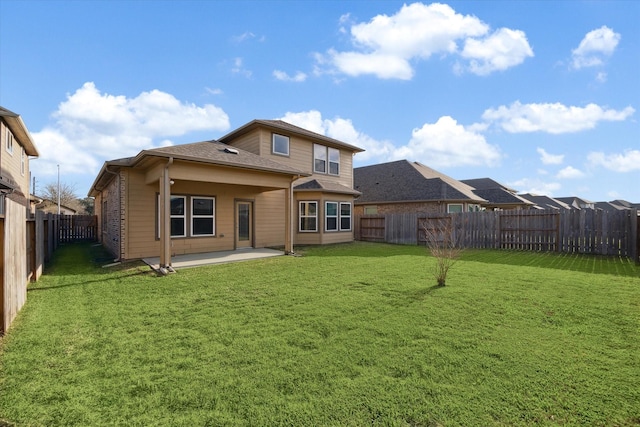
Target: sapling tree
443, 243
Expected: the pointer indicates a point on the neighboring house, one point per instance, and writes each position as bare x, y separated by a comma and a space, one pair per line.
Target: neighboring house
544, 202
497, 195
50, 206
16, 146
267, 183
577, 202
408, 187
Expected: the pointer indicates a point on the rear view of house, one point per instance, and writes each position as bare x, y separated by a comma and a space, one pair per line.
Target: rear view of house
267, 183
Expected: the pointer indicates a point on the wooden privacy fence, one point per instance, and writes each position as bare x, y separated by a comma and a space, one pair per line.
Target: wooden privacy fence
573, 231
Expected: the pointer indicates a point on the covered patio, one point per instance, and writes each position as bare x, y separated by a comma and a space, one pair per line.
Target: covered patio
209, 258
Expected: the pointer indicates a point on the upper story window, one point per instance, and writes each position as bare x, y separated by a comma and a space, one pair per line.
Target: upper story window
9, 142
326, 160
280, 144
23, 161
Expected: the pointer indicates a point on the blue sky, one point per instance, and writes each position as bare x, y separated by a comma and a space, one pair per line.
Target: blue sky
542, 96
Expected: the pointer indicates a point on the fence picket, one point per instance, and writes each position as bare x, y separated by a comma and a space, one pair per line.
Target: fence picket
572, 231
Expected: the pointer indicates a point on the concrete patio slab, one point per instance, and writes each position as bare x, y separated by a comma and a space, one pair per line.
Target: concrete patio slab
208, 258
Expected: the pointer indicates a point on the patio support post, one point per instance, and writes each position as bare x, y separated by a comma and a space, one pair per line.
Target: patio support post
165, 216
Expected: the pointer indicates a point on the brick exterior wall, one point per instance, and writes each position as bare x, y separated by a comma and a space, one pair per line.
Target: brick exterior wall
111, 216
393, 208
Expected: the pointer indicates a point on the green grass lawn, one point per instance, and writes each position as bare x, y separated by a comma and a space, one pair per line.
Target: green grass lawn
346, 335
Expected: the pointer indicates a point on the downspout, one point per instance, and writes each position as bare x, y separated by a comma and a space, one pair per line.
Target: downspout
165, 224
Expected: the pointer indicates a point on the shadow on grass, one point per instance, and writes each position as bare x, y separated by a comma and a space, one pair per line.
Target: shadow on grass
89, 282
586, 263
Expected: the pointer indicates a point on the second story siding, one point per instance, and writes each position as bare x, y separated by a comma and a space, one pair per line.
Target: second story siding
299, 152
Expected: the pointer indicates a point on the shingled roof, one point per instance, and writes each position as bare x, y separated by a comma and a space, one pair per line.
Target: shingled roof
404, 181
281, 126
495, 193
545, 202
210, 152
19, 131
325, 186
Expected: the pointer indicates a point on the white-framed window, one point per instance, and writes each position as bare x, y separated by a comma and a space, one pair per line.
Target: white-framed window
454, 207
326, 160
308, 216
337, 216
473, 208
199, 212
280, 144
178, 216
23, 161
319, 158
203, 216
334, 161
331, 216
9, 145
345, 216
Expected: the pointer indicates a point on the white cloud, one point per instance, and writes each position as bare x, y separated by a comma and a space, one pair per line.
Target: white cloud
550, 159
569, 173
238, 68
552, 118
594, 47
386, 45
620, 162
91, 127
281, 75
216, 91
535, 186
447, 143
502, 50
342, 130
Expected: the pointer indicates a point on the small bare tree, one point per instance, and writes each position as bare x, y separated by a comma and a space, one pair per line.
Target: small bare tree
443, 244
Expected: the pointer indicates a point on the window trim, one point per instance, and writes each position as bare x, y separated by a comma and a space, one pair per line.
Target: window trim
9, 142
273, 144
183, 216
455, 204
327, 216
326, 153
23, 161
329, 162
350, 216
316, 159
300, 216
194, 216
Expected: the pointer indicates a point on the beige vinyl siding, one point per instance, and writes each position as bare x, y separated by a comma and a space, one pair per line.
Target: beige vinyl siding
10, 164
269, 213
249, 142
301, 157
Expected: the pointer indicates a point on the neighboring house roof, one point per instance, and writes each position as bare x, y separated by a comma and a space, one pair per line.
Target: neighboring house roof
545, 202
495, 193
486, 184
575, 202
210, 152
325, 186
279, 125
607, 206
404, 181
19, 131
